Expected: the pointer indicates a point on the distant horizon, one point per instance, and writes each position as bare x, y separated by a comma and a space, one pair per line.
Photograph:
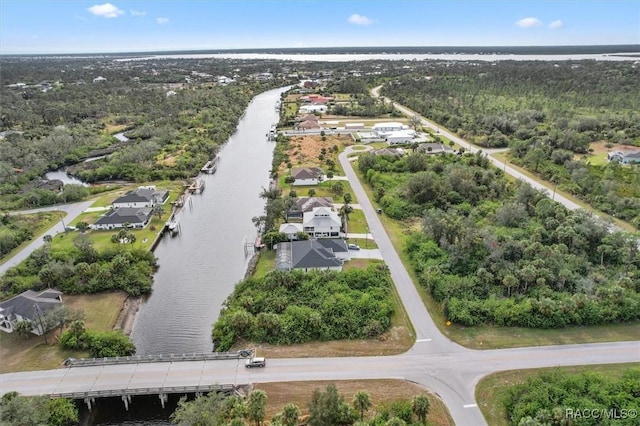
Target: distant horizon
122, 26
469, 49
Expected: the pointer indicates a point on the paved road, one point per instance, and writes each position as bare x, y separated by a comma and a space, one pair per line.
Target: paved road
452, 376
72, 210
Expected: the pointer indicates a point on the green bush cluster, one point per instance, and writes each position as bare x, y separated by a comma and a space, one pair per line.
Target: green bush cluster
550, 397
494, 252
99, 344
82, 271
297, 307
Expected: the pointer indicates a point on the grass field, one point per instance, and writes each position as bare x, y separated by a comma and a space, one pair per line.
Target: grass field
491, 388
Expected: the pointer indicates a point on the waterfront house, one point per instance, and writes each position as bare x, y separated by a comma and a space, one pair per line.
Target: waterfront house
28, 306
307, 204
144, 196
136, 218
328, 254
307, 175
312, 108
322, 222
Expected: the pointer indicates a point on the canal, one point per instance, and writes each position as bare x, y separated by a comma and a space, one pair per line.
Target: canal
200, 266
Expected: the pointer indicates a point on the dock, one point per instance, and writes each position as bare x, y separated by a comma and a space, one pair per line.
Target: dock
196, 187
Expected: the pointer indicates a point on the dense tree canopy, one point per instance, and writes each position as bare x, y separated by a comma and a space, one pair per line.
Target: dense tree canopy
502, 253
548, 113
298, 307
551, 398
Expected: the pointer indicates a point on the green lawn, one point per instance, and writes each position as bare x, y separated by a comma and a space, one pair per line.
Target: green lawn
102, 239
357, 222
490, 389
266, 263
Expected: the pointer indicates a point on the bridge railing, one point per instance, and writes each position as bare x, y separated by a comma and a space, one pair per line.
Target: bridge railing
137, 359
146, 391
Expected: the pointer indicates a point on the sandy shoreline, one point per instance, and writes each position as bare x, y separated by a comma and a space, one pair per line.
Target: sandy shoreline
127, 315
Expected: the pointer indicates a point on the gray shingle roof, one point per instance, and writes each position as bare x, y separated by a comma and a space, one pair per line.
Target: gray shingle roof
306, 172
23, 304
125, 214
310, 254
141, 195
307, 204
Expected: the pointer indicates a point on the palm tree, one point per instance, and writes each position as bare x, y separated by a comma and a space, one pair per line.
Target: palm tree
361, 402
23, 328
256, 406
420, 407
290, 414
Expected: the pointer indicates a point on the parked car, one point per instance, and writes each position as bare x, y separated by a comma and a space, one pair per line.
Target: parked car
256, 361
354, 247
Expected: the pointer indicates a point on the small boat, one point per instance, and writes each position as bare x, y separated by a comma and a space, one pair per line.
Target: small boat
199, 186
273, 132
210, 167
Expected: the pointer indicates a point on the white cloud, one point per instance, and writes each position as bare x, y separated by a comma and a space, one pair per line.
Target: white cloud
162, 21
359, 20
137, 12
106, 10
556, 24
529, 22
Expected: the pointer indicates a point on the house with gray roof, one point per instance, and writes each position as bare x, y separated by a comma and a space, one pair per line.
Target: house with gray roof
307, 175
307, 204
144, 196
28, 306
308, 255
624, 157
136, 218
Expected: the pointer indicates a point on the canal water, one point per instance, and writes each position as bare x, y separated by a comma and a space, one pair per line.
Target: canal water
200, 266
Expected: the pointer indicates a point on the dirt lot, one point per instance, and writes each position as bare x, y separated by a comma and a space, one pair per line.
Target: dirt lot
305, 149
380, 391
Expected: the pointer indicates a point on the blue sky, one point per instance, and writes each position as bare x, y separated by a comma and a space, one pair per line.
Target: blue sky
77, 26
